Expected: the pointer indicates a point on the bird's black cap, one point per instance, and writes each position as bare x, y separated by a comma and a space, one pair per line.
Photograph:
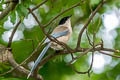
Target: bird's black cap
63, 20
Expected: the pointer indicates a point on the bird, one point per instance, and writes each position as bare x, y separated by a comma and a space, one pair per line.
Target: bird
62, 33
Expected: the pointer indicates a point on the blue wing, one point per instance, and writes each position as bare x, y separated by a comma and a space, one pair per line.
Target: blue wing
56, 35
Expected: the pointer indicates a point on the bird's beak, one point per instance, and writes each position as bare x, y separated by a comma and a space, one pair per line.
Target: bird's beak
70, 16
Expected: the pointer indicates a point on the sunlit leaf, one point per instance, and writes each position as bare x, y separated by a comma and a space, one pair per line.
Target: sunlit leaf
22, 11
13, 17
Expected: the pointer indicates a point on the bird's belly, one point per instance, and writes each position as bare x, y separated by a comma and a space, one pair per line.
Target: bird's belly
56, 46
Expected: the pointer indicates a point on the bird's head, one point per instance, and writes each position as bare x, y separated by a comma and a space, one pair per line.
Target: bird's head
65, 20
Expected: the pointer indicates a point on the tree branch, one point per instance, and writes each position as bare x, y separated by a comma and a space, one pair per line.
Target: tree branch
54, 18
11, 6
116, 56
18, 67
43, 2
86, 24
12, 34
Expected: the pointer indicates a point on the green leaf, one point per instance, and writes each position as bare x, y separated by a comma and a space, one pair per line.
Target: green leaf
21, 50
1, 78
36, 1
2, 2
26, 3
11, 79
1, 7
13, 17
32, 37
22, 11
117, 39
94, 2
4, 67
95, 24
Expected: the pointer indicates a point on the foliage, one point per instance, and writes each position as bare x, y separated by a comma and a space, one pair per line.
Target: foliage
57, 70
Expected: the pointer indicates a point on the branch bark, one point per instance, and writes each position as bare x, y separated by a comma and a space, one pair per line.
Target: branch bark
12, 34
18, 67
11, 6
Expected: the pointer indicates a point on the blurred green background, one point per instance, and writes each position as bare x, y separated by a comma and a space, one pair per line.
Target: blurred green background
105, 23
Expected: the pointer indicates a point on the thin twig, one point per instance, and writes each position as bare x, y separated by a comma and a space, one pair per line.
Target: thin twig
72, 56
91, 64
12, 34
116, 56
36, 7
54, 18
90, 42
110, 50
88, 71
84, 53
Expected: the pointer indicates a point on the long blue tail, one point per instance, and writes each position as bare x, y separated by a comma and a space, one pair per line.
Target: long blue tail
63, 33
39, 59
